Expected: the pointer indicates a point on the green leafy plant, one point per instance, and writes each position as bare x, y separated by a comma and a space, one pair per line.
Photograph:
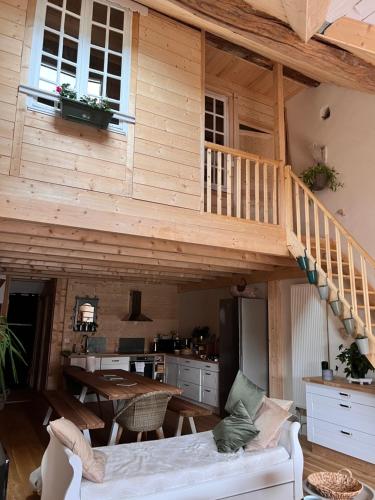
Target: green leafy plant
99, 103
357, 365
10, 350
321, 172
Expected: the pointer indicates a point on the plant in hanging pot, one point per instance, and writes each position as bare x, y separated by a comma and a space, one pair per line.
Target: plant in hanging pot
11, 349
94, 111
362, 344
357, 365
320, 176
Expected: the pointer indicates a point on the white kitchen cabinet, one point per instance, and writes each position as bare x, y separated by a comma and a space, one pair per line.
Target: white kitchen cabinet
115, 362
171, 371
81, 362
342, 419
190, 390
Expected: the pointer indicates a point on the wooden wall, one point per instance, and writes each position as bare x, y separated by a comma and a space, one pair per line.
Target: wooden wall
159, 302
168, 113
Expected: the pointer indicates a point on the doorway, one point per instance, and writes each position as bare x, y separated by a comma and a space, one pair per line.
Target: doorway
30, 316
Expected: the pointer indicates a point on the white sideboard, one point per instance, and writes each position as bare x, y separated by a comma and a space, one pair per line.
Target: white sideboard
198, 379
341, 416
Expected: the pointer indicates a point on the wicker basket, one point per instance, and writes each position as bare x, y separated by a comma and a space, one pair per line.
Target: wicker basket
336, 485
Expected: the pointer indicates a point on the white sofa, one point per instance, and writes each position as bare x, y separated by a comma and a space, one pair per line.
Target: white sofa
187, 467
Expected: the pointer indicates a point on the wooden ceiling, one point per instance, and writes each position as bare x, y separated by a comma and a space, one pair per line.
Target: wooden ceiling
43, 251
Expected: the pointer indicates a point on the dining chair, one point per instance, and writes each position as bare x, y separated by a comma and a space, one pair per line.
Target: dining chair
143, 413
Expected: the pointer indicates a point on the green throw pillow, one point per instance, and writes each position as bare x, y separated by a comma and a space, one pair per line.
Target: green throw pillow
250, 394
234, 431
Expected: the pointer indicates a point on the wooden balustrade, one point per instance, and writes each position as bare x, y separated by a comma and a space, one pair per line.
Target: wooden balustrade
241, 184
339, 258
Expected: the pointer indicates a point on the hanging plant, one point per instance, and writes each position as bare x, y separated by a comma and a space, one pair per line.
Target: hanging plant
10, 350
320, 176
94, 111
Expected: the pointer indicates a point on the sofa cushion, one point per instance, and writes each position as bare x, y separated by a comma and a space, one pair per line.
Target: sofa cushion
234, 431
269, 421
250, 394
93, 462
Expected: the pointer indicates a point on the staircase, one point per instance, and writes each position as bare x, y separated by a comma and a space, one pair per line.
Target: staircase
341, 263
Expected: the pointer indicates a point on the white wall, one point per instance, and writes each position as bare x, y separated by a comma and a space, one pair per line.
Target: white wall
350, 137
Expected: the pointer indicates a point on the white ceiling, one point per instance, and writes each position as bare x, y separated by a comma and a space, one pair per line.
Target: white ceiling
361, 10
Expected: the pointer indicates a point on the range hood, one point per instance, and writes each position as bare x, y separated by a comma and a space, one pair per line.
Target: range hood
135, 308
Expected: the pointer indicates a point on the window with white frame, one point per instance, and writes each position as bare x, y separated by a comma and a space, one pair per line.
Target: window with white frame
216, 130
86, 43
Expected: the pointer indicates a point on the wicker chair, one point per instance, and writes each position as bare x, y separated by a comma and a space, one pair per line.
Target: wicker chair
142, 414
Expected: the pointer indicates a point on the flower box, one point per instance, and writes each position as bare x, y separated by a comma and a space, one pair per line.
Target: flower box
83, 113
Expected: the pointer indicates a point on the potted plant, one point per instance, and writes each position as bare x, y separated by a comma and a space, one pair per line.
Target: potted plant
357, 365
10, 350
94, 111
320, 176
362, 344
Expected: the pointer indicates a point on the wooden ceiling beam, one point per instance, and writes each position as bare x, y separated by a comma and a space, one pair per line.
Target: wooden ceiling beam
305, 17
254, 58
235, 21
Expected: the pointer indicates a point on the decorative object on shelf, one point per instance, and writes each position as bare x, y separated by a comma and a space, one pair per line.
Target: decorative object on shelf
336, 306
312, 275
85, 314
94, 111
357, 365
11, 349
362, 344
349, 323
303, 262
335, 485
320, 176
327, 374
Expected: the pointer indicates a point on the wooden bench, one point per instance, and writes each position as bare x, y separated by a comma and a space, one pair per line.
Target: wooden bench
187, 409
67, 406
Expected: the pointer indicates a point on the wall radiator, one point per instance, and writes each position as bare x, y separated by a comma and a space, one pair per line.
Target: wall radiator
309, 337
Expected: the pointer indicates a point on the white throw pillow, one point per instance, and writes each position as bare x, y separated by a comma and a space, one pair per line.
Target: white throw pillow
284, 403
268, 421
93, 462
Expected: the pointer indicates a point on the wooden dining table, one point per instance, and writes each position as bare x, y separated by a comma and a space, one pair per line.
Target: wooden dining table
116, 385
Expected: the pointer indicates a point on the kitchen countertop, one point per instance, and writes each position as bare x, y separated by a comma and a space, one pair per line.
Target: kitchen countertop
196, 358
116, 354
341, 383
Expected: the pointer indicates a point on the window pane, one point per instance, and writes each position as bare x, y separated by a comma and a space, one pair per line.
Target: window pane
116, 19
95, 84
56, 2
68, 74
74, 6
99, 13
48, 69
53, 18
97, 59
219, 124
114, 65
98, 36
113, 88
51, 43
209, 104
219, 139
115, 41
49, 87
70, 50
209, 136
219, 107
71, 26
209, 121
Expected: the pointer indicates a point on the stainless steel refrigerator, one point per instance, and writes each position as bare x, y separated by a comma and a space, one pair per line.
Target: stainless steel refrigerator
243, 343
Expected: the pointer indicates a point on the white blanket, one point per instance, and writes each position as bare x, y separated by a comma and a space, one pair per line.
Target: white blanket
140, 469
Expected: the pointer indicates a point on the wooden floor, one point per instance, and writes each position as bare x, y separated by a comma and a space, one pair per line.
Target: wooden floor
24, 438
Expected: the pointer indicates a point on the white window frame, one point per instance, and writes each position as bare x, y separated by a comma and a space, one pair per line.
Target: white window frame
225, 101
84, 45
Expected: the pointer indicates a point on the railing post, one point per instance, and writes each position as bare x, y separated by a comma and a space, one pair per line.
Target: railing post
286, 200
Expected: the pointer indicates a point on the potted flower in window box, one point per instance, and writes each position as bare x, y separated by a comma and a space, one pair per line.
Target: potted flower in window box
91, 110
320, 176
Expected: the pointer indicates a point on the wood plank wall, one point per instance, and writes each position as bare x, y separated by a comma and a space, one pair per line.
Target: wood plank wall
12, 32
168, 107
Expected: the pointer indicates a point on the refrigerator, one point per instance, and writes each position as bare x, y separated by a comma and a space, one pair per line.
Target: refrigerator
243, 343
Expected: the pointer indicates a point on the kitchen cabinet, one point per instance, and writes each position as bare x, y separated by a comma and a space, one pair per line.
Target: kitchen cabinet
117, 362
198, 379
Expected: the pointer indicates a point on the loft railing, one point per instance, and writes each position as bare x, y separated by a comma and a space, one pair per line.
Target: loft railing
242, 185
340, 260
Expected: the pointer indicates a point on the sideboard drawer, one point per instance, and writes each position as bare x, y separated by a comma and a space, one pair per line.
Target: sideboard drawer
189, 374
189, 390
346, 413
210, 379
341, 394
210, 396
343, 439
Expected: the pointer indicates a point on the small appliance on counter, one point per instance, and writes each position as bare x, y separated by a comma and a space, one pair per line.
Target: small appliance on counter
171, 344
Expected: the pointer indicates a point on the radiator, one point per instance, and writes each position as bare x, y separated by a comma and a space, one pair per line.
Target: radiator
309, 337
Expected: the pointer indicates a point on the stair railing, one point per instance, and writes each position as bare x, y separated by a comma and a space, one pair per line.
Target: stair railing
341, 261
